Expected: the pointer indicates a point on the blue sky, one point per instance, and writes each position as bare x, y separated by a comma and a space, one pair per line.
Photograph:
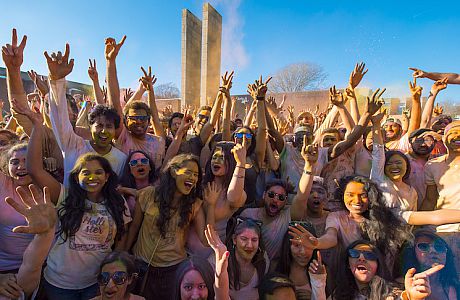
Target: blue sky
259, 37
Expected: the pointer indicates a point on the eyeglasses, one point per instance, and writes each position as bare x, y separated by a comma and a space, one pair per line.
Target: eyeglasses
138, 118
368, 255
118, 278
428, 140
142, 161
239, 135
281, 197
438, 247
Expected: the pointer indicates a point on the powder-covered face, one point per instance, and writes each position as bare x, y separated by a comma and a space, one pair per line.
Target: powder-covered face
239, 137
218, 164
330, 139
392, 131
137, 122
453, 140
363, 269
301, 254
193, 286
430, 252
111, 290
423, 145
102, 131
17, 168
272, 202
246, 243
175, 124
92, 177
317, 198
139, 166
187, 177
395, 167
355, 198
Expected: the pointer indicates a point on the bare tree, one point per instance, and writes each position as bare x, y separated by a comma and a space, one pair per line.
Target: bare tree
167, 91
297, 77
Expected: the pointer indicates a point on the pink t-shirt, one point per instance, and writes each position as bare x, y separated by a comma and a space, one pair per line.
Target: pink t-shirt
402, 144
153, 145
12, 245
347, 229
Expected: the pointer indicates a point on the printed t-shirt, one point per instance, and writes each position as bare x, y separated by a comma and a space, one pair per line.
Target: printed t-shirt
446, 177
74, 264
153, 145
169, 250
12, 245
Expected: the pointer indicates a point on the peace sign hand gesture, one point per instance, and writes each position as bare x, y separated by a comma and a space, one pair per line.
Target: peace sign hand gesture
13, 54
258, 89
375, 103
415, 89
148, 80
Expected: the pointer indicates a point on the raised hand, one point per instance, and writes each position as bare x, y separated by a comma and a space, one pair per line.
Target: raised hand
438, 110
374, 103
220, 250
34, 116
226, 82
418, 73
302, 236
418, 285
239, 152
259, 88
212, 192
271, 105
280, 107
336, 97
316, 266
112, 48
309, 152
185, 124
37, 209
415, 89
104, 93
377, 118
148, 80
406, 113
439, 85
40, 83
128, 94
58, 64
92, 70
13, 54
357, 75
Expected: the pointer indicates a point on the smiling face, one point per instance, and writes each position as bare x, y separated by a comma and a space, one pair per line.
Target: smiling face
139, 166
316, 199
239, 140
392, 131
137, 122
112, 290
246, 243
395, 167
193, 286
330, 139
17, 168
218, 164
272, 202
305, 119
355, 198
186, 177
92, 177
430, 252
102, 131
453, 140
363, 269
301, 254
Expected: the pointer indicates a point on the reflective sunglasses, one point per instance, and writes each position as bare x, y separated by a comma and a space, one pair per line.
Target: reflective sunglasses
438, 247
368, 255
239, 135
138, 118
142, 161
118, 278
281, 197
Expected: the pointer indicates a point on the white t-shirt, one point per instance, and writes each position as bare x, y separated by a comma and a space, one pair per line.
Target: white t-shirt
74, 264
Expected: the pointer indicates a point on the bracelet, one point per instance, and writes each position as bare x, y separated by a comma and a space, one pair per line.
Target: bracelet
238, 176
241, 167
307, 172
260, 98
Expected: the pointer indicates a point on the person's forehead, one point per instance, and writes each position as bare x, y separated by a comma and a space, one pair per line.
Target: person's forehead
138, 155
137, 112
103, 120
277, 189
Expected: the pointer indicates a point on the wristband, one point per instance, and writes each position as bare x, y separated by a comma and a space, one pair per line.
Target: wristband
241, 167
260, 98
238, 176
307, 172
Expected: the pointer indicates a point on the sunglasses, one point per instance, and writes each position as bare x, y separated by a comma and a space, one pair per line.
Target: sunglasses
239, 135
427, 140
368, 255
142, 161
281, 197
138, 118
438, 247
118, 278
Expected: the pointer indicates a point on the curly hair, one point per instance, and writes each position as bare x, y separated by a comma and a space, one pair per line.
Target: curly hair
200, 265
380, 226
74, 206
164, 193
127, 178
229, 161
5, 158
103, 110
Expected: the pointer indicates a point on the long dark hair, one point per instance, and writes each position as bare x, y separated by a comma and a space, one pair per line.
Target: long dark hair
347, 287
380, 225
258, 260
164, 193
252, 147
447, 276
74, 206
229, 161
200, 265
390, 153
127, 179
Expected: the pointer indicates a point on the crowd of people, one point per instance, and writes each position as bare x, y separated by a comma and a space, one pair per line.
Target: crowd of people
115, 199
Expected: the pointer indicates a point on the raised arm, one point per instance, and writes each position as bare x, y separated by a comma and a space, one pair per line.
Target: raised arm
177, 139
302, 236
250, 114
236, 196
138, 217
228, 104
416, 110
338, 100
279, 140
427, 113
221, 281
372, 106
378, 150
148, 80
94, 76
452, 78
355, 78
299, 203
113, 88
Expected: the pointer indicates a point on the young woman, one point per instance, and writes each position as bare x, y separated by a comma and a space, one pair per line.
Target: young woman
194, 280
116, 278
304, 268
92, 216
162, 217
138, 173
429, 250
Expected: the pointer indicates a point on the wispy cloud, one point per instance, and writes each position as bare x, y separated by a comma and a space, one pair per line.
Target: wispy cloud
234, 54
